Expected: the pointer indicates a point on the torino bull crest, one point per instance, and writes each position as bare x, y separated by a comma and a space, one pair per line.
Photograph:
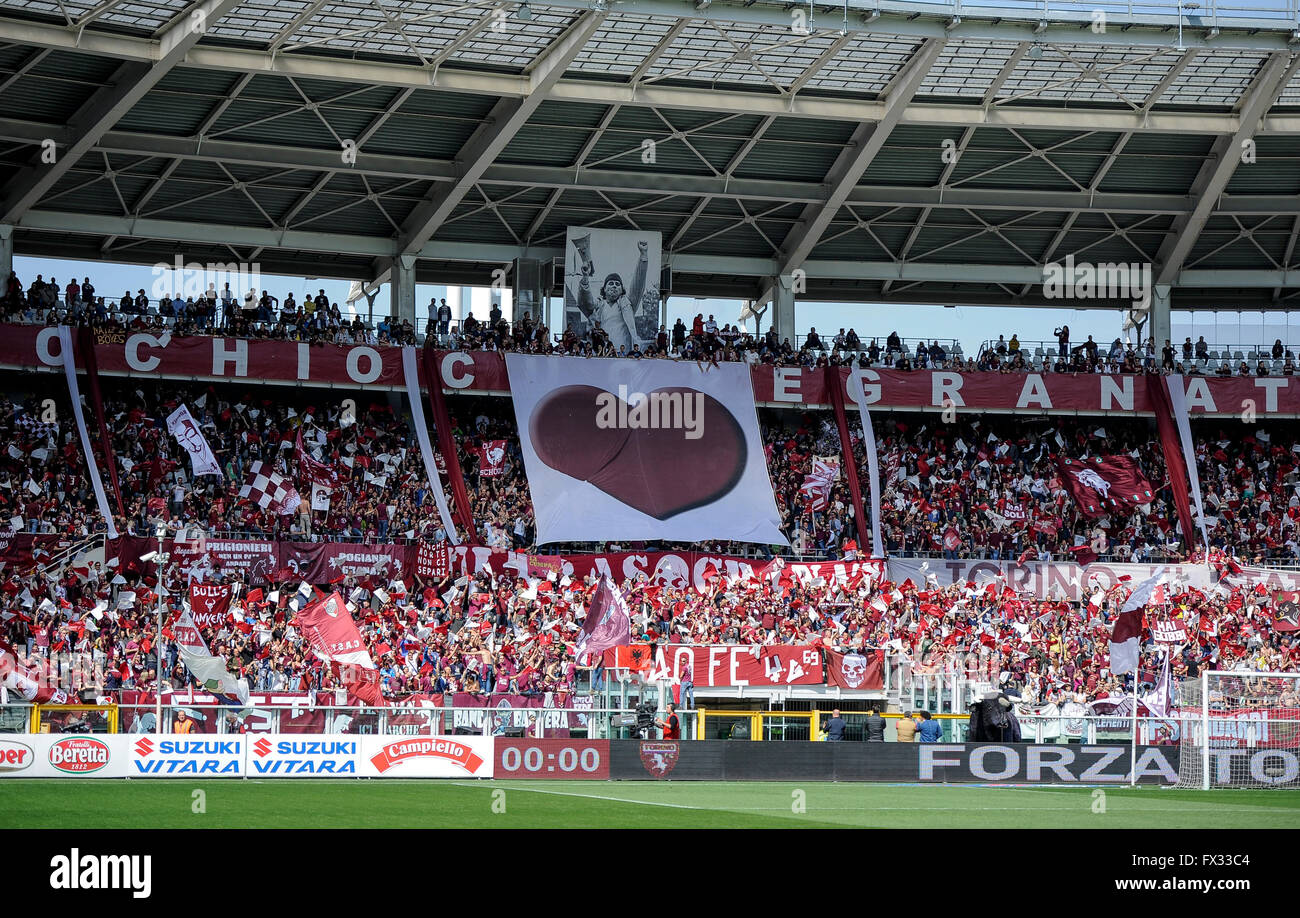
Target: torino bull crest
642, 449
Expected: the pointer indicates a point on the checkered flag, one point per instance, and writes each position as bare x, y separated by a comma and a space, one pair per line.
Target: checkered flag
270, 490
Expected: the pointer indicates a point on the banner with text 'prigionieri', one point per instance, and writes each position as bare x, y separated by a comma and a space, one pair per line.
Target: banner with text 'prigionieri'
642, 449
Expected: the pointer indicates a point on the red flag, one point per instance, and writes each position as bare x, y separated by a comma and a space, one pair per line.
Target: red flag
328, 626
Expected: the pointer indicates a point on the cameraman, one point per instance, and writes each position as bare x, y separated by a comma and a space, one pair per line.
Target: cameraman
672, 727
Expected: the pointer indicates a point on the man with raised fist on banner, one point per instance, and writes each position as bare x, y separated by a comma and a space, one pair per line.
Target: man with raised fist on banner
612, 307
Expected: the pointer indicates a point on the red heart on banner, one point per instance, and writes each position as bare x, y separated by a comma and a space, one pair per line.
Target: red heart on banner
658, 471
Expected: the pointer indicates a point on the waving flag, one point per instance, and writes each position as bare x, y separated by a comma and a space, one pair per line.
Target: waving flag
328, 626
211, 672
608, 623
182, 426
1126, 636
269, 490
816, 486
1105, 483
318, 473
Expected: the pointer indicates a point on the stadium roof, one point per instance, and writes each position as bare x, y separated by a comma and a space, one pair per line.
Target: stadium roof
911, 152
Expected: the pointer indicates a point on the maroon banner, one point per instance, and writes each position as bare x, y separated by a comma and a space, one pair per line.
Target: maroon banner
676, 569
849, 463
1028, 393
1172, 450
23, 549
432, 561
210, 604
464, 516
27, 347
253, 561
863, 671
741, 664
493, 715
330, 562
566, 759
89, 360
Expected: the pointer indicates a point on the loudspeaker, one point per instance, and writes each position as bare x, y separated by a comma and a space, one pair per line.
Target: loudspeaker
467, 731
515, 732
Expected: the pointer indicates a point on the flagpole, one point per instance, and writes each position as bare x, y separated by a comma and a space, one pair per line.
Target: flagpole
1132, 754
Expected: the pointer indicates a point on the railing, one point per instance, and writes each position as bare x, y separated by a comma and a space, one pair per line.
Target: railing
1204, 13
91, 543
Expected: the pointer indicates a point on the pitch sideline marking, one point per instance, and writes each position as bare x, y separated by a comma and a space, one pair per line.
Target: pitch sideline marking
554, 793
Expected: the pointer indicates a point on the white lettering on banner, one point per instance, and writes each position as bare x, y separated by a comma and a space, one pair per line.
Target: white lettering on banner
1198, 395
43, 352
304, 360
931, 759
786, 384
735, 669
222, 354
133, 358
1271, 385
1037, 759
946, 387
1034, 390
857, 382
715, 654
374, 364
1117, 392
450, 364
1010, 762
1083, 764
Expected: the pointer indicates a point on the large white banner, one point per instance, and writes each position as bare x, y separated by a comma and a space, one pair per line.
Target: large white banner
642, 449
1045, 579
181, 425
612, 277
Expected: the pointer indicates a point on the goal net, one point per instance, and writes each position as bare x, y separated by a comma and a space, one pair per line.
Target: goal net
1240, 729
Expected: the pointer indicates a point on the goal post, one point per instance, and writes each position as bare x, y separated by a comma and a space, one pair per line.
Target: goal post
1239, 729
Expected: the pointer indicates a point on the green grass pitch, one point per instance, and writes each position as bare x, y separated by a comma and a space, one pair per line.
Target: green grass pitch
143, 803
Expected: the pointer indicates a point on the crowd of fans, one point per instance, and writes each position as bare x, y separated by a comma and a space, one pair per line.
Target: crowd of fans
316, 319
983, 487
980, 487
494, 632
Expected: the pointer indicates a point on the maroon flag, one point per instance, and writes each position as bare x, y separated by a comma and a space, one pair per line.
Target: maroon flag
210, 604
1286, 612
269, 490
316, 472
491, 458
608, 622
856, 670
1105, 483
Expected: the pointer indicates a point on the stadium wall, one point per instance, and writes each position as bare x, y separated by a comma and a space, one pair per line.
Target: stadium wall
303, 756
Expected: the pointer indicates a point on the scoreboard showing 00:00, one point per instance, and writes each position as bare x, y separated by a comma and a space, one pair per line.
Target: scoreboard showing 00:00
552, 758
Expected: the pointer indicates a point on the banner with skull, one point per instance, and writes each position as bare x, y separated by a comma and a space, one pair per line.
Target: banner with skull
861, 670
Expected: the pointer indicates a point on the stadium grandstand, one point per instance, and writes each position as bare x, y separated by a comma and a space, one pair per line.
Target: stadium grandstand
604, 512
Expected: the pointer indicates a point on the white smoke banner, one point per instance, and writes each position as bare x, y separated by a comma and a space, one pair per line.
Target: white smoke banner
181, 425
642, 449
611, 277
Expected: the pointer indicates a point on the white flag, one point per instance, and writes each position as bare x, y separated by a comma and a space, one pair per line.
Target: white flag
187, 433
